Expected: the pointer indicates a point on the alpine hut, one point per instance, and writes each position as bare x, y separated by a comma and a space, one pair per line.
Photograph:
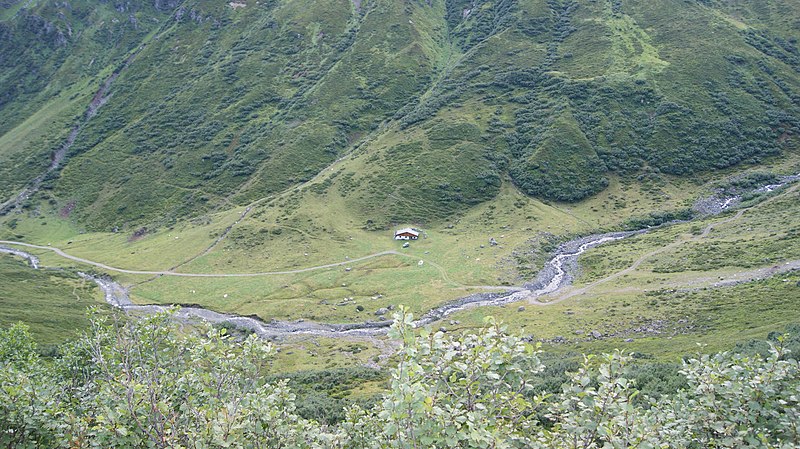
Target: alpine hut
406, 234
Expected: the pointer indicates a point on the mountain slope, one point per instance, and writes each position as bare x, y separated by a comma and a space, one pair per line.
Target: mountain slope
223, 104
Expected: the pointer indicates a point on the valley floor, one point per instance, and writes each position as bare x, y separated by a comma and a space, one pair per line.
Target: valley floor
623, 295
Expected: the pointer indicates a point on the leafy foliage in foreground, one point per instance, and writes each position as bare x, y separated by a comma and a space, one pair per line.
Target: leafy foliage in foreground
146, 384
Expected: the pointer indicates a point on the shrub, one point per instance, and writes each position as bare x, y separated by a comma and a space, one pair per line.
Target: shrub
143, 383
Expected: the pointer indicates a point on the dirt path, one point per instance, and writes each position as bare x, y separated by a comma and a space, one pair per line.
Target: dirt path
171, 271
611, 277
382, 128
691, 283
711, 226
199, 275
117, 296
219, 239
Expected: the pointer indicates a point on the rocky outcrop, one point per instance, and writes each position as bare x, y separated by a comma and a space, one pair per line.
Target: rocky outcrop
45, 29
5, 4
166, 5
193, 15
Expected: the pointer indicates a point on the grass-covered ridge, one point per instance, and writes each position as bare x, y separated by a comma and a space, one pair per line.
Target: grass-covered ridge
223, 104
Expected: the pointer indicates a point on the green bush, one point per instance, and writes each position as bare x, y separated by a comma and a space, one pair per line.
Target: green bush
144, 384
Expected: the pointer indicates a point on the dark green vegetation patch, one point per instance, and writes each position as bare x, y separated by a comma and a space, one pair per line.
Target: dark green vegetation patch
214, 102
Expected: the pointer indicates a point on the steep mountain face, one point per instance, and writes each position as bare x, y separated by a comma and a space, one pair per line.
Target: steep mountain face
52, 55
211, 104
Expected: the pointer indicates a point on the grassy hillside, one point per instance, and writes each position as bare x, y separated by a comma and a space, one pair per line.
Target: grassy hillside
241, 103
54, 58
222, 104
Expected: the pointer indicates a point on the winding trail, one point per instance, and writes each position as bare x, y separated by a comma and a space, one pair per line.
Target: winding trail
63, 254
744, 276
552, 278
218, 239
711, 226
171, 271
382, 128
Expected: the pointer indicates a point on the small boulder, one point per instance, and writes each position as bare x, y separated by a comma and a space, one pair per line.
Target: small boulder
442, 329
596, 335
628, 340
521, 309
382, 311
492, 241
359, 308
